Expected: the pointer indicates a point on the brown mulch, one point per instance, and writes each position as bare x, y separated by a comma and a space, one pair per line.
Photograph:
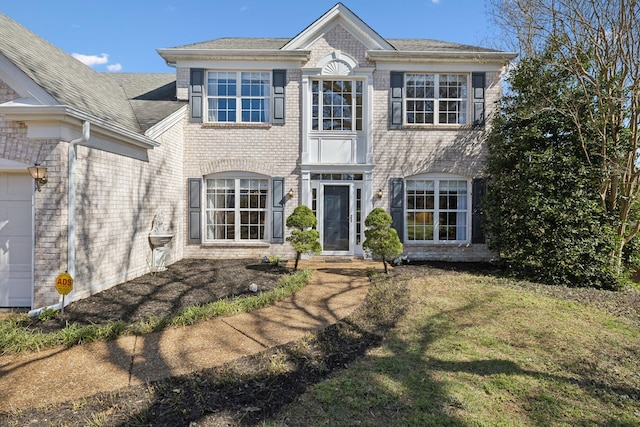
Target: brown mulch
186, 283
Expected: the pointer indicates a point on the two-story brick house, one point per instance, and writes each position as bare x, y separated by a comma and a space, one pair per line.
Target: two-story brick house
337, 118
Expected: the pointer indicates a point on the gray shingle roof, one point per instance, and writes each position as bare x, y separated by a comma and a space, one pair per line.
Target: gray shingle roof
238, 43
408, 45
427, 45
151, 95
71, 82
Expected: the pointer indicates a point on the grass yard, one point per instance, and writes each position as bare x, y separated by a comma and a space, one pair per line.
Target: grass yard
430, 346
471, 351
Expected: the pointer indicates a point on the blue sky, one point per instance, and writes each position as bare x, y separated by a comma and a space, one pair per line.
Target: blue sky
118, 35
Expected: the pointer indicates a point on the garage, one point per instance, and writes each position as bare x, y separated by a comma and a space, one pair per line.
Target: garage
16, 241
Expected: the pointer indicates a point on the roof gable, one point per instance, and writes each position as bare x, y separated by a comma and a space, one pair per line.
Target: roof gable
339, 15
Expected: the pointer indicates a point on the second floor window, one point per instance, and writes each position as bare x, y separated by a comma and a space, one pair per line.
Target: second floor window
336, 105
436, 99
238, 97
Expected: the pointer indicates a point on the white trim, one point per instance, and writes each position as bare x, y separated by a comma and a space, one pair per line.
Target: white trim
22, 84
439, 177
468, 118
498, 58
339, 14
192, 57
462, 67
165, 124
64, 123
211, 64
236, 176
238, 97
11, 165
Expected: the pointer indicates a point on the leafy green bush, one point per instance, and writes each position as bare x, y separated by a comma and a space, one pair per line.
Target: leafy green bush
543, 211
380, 238
304, 237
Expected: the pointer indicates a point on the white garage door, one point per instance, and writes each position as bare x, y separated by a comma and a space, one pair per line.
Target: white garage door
16, 266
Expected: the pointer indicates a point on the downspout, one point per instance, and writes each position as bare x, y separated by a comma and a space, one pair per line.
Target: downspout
71, 210
71, 216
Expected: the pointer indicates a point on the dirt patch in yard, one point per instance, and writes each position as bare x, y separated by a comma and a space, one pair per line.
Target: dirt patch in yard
186, 283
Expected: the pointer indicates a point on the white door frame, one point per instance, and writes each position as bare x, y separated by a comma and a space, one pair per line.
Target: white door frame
351, 221
11, 167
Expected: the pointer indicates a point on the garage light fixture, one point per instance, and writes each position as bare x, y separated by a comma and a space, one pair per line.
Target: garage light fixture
39, 174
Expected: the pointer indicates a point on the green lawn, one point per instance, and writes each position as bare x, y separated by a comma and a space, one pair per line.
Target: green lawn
471, 352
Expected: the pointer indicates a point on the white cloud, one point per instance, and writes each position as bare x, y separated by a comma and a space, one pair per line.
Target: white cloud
91, 60
114, 67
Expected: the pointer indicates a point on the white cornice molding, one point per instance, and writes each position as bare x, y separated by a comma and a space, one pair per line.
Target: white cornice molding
500, 58
244, 65
173, 55
39, 115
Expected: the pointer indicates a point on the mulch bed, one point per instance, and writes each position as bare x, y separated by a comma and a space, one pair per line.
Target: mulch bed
189, 282
254, 388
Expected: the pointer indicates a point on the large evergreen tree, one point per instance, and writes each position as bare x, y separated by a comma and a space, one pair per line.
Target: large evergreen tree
595, 45
543, 207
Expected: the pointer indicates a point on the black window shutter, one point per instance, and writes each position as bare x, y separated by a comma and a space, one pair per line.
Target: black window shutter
196, 94
478, 84
279, 83
395, 100
195, 210
277, 210
478, 190
396, 194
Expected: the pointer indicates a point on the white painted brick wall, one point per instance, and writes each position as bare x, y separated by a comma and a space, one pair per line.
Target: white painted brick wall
117, 198
270, 150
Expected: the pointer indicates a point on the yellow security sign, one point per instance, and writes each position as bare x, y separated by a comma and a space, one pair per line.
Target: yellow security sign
64, 283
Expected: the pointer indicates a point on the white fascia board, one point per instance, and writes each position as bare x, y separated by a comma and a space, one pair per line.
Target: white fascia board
167, 123
442, 67
182, 55
65, 123
104, 141
240, 65
22, 84
6, 164
500, 58
339, 14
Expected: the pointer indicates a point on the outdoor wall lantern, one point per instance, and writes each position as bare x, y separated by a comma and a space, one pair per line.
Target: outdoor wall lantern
290, 193
39, 174
380, 193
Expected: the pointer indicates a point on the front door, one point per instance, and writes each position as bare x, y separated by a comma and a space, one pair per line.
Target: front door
336, 224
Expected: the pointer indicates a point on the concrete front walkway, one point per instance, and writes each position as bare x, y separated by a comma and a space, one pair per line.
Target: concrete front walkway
65, 374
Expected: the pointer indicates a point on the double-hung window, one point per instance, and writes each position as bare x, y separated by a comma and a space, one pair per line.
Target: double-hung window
436, 99
238, 97
336, 105
437, 210
236, 209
